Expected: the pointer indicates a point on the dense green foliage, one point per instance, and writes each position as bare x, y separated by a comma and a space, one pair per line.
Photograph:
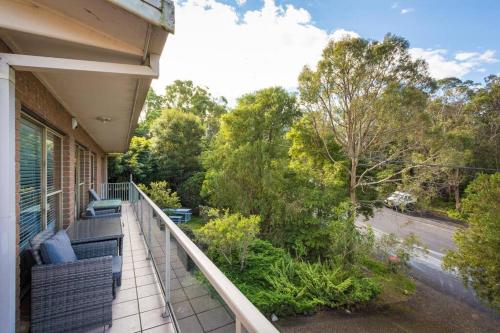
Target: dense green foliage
138, 161
174, 129
248, 159
177, 145
280, 178
478, 256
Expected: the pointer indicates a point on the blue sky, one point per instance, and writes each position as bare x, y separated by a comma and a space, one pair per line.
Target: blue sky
237, 46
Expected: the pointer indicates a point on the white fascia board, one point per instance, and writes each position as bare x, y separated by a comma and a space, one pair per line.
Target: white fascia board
40, 21
49, 64
164, 17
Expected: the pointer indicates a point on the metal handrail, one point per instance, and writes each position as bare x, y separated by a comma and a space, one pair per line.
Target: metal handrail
246, 313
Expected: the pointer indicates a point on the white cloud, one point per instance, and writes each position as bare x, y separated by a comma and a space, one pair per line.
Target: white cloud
488, 57
461, 56
233, 53
395, 5
441, 66
407, 10
241, 2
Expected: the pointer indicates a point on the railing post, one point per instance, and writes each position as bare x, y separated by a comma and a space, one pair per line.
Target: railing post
139, 205
130, 186
238, 325
149, 219
167, 272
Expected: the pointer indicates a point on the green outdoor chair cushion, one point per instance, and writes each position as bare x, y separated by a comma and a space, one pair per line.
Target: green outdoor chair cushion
106, 204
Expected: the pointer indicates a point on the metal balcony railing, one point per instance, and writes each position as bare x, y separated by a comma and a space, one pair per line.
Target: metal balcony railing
115, 191
180, 264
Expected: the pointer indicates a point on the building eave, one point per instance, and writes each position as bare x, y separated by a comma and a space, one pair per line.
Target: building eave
162, 15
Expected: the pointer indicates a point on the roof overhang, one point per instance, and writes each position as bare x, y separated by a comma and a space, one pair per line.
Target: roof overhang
96, 57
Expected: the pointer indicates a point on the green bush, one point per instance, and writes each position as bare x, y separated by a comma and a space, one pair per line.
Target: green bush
209, 213
277, 283
163, 196
229, 236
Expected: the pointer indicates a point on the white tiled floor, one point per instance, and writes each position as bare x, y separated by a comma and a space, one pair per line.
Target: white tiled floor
138, 305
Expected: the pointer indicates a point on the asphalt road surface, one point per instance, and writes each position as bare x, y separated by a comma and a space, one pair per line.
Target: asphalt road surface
437, 236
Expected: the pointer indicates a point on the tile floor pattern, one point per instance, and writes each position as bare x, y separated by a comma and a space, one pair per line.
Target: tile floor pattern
138, 305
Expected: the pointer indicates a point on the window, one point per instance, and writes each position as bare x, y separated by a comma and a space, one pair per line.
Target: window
40, 179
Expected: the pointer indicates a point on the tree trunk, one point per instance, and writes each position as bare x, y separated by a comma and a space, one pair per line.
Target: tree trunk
352, 182
457, 198
457, 190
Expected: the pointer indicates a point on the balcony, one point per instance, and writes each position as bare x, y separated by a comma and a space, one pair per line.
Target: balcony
168, 283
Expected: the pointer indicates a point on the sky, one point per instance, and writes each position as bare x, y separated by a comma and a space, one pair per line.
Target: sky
233, 47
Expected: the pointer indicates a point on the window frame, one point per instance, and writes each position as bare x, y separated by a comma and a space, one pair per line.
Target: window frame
44, 168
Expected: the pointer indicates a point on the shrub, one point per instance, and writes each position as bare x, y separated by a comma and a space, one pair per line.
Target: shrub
277, 283
311, 285
161, 194
229, 236
209, 213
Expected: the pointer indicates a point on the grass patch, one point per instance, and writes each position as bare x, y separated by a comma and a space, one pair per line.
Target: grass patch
395, 286
195, 223
189, 227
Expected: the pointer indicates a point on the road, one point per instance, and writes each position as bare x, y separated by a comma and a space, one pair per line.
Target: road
438, 237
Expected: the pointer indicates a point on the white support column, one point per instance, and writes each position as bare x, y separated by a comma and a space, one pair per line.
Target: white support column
7, 199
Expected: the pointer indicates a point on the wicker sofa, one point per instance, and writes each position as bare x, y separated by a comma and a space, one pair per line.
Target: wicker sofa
74, 296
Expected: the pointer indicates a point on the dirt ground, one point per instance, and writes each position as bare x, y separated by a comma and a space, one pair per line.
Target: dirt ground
427, 311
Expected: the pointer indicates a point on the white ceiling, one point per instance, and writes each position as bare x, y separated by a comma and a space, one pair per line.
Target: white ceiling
88, 96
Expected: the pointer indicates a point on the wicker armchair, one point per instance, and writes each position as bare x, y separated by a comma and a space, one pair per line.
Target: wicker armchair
75, 296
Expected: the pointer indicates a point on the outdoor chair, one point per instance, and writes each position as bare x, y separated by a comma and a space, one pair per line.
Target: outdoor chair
74, 295
104, 204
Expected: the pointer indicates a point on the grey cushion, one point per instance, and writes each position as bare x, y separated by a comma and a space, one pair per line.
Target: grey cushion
36, 241
57, 250
117, 266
